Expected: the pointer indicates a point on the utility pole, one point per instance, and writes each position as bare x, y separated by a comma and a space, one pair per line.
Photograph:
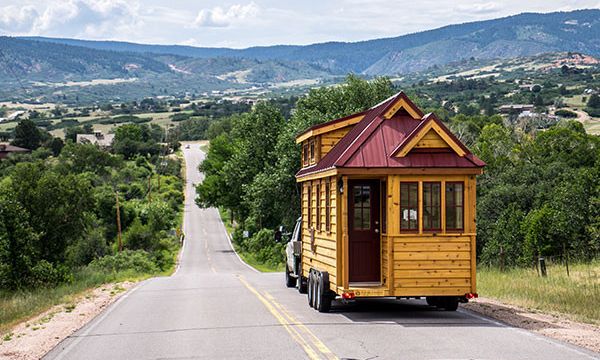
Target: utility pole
119, 223
150, 188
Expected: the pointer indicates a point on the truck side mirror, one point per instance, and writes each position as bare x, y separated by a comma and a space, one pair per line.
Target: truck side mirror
278, 235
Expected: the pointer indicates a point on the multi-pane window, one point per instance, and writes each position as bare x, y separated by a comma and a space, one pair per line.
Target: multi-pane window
362, 207
409, 206
327, 206
432, 206
454, 206
318, 199
383, 207
309, 206
312, 151
305, 154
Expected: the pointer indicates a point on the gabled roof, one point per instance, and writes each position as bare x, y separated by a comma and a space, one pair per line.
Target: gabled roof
386, 138
6, 147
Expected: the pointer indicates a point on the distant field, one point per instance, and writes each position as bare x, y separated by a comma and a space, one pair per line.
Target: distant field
575, 295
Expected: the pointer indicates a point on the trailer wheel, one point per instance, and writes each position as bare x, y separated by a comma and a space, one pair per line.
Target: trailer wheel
289, 280
449, 304
324, 300
317, 292
301, 284
432, 300
310, 289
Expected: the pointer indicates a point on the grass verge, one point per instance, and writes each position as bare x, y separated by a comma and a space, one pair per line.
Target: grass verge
19, 306
575, 296
247, 257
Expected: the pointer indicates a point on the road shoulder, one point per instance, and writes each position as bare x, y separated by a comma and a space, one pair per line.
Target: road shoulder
554, 326
33, 338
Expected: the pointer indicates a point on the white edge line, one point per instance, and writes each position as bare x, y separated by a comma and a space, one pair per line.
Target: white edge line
231, 245
92, 324
568, 346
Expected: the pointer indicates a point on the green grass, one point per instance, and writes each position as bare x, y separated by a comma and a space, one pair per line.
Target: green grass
19, 306
247, 257
575, 296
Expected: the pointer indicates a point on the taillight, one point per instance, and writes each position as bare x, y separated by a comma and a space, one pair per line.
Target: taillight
348, 295
471, 296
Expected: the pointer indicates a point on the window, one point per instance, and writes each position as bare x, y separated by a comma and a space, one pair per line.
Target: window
318, 199
409, 206
327, 206
361, 195
312, 151
309, 206
431, 206
305, 154
383, 207
454, 206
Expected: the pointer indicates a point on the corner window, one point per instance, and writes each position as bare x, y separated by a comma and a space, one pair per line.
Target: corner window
409, 206
432, 206
454, 206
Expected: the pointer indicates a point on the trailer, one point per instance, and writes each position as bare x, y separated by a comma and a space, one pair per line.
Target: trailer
388, 209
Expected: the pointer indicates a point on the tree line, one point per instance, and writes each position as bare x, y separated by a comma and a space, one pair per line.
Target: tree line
58, 208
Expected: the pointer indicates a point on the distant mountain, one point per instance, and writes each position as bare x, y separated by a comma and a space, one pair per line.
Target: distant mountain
520, 35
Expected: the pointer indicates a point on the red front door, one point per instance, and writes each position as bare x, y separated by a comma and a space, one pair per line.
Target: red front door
363, 231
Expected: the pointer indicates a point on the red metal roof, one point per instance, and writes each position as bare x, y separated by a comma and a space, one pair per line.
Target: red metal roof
374, 141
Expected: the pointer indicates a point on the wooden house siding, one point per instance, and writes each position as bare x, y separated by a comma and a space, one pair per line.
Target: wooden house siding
322, 254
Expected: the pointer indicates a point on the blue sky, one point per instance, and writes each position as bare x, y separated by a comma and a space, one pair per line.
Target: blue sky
244, 23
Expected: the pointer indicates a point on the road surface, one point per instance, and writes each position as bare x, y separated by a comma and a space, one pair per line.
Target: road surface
216, 307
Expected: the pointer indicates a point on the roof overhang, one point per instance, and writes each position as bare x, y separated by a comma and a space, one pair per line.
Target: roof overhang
330, 126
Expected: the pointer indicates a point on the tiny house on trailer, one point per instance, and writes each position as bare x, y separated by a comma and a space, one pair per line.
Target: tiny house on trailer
388, 208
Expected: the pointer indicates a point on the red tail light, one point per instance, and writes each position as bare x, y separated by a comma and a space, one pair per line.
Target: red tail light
348, 295
471, 296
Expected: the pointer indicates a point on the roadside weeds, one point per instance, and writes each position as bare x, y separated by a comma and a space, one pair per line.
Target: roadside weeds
555, 326
32, 339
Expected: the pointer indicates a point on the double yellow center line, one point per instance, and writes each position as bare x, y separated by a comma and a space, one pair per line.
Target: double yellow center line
312, 346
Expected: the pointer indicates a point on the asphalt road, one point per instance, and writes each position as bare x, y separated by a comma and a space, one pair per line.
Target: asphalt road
216, 307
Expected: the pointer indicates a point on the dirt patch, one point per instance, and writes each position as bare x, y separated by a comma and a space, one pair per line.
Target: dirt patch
554, 326
35, 337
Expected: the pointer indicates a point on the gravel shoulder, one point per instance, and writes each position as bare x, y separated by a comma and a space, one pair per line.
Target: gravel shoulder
554, 326
35, 337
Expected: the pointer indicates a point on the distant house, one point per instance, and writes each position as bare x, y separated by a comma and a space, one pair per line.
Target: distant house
515, 108
97, 138
7, 149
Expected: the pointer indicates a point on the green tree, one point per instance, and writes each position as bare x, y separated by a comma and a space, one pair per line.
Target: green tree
594, 102
28, 135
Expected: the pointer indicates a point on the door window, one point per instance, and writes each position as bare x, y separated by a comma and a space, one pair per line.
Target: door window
361, 196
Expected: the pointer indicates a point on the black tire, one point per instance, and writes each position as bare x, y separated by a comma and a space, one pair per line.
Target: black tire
431, 300
324, 299
301, 285
289, 280
310, 289
317, 292
449, 304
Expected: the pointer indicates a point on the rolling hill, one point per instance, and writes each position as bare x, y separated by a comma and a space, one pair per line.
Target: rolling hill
519, 35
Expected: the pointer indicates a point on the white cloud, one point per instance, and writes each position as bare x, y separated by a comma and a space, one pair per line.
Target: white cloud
218, 17
480, 8
17, 18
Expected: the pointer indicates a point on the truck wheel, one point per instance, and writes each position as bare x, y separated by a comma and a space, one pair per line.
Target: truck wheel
324, 300
301, 284
289, 280
449, 304
310, 289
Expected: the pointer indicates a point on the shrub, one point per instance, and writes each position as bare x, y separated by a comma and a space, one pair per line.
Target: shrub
45, 274
566, 113
137, 260
139, 236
